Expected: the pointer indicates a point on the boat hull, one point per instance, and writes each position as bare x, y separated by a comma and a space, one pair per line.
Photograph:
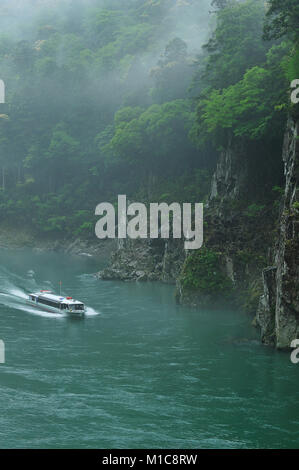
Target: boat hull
50, 309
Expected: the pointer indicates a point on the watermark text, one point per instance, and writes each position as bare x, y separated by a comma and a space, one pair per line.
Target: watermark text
161, 221
295, 353
295, 92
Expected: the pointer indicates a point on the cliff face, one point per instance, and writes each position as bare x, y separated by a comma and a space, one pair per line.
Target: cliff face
278, 312
246, 242
241, 239
235, 247
145, 260
230, 177
237, 237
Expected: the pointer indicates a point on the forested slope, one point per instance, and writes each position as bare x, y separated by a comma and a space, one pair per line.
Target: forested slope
97, 104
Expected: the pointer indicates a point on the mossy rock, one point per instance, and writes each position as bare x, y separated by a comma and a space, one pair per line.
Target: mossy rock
203, 273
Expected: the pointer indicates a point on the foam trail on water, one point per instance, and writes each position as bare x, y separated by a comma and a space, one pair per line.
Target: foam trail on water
89, 311
14, 297
17, 293
40, 313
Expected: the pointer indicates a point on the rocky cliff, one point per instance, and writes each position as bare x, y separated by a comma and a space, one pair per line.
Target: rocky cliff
278, 312
236, 239
145, 260
250, 253
234, 253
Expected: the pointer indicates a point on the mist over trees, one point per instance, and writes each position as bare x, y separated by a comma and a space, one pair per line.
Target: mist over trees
119, 96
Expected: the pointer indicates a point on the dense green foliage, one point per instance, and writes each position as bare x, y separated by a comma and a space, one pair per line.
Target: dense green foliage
99, 103
252, 107
201, 272
236, 43
282, 19
247, 79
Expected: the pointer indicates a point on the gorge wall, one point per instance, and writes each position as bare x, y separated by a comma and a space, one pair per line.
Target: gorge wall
250, 253
278, 311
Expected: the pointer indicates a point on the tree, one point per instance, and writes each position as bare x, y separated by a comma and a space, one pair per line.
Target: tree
247, 109
236, 43
173, 73
156, 140
220, 4
282, 19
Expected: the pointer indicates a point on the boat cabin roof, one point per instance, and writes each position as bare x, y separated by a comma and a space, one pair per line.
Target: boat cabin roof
56, 298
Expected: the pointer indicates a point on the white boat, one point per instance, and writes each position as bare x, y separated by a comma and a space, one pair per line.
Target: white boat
49, 302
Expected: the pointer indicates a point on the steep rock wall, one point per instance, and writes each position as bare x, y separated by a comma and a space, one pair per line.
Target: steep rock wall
245, 244
239, 239
145, 260
278, 312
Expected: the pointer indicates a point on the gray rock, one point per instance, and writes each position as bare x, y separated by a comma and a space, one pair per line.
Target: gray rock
278, 313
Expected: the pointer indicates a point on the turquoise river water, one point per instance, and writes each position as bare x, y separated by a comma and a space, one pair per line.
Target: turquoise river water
138, 371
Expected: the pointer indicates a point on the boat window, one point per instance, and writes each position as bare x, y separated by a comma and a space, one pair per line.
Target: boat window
48, 302
79, 307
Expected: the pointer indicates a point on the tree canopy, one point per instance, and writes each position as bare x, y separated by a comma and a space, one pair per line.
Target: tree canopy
98, 100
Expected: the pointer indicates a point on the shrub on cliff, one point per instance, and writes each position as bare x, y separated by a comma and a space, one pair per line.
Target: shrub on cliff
202, 272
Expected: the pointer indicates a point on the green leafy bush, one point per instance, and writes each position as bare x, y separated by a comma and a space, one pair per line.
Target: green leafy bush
202, 272
254, 210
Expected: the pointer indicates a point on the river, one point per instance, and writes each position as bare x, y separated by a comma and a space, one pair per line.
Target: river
138, 371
